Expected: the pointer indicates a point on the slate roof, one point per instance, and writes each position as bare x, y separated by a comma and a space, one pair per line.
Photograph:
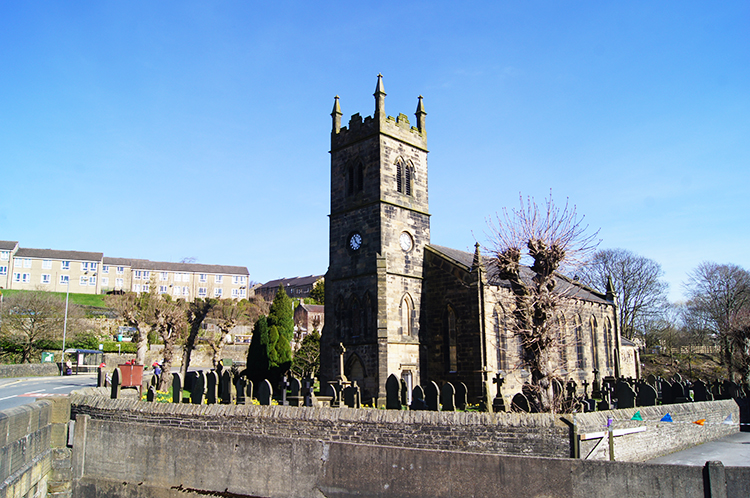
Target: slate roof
313, 308
145, 264
56, 254
8, 245
564, 285
291, 282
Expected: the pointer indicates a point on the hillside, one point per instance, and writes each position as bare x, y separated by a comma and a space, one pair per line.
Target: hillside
696, 366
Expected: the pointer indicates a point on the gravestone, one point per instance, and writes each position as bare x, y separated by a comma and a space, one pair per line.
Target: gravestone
404, 393
352, 396
101, 377
667, 393
585, 388
241, 387
153, 381
589, 405
570, 388
651, 379
308, 392
730, 389
520, 404
228, 391
646, 395
212, 387
625, 395
176, 388
294, 391
447, 397
392, 393
498, 404
431, 396
190, 378
700, 391
462, 396
151, 393
264, 392
249, 393
116, 383
681, 392
417, 399
596, 390
199, 388
283, 386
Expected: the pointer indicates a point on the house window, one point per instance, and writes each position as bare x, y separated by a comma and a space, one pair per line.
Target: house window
3, 270
84, 266
137, 288
238, 279
164, 276
92, 280
64, 279
146, 275
119, 283
217, 292
235, 293
203, 277
105, 268
27, 263
186, 277
22, 278
120, 270
243, 293
137, 275
84, 280
46, 278
105, 281
186, 291
202, 292
176, 290
65, 265
162, 289
5, 255
178, 277
218, 279
46, 264
145, 287
93, 266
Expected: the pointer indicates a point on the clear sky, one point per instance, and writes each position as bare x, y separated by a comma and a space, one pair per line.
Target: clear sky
166, 130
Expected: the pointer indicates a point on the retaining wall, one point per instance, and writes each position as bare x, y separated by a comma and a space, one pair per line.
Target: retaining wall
30, 370
129, 459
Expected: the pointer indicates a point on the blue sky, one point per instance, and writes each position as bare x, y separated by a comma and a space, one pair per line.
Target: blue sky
165, 130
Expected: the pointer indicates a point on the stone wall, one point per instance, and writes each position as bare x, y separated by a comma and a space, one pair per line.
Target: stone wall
177, 461
501, 433
31, 439
30, 370
659, 438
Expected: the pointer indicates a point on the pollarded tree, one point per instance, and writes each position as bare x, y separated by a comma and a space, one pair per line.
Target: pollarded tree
551, 239
136, 310
196, 313
641, 292
169, 322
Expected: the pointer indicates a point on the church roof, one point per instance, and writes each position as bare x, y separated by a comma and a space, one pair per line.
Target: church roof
564, 285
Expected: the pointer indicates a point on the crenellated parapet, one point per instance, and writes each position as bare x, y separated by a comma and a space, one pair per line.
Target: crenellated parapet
398, 127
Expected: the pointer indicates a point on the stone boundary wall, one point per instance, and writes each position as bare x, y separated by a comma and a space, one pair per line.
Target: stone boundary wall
659, 438
30, 370
499, 433
28, 434
114, 459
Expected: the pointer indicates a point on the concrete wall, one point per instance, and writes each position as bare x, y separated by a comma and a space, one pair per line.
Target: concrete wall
30, 370
164, 461
28, 435
659, 438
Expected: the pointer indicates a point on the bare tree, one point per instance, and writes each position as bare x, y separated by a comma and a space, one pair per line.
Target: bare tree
196, 313
641, 294
720, 296
169, 323
136, 311
29, 317
551, 239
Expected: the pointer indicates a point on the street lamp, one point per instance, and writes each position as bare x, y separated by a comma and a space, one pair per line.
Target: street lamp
65, 326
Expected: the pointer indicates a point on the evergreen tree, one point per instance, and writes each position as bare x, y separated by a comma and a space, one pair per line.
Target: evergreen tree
281, 318
257, 353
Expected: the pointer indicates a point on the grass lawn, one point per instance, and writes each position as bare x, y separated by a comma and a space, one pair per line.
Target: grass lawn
96, 300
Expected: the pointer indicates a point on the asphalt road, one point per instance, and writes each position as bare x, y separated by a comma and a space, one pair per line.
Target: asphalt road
732, 451
20, 391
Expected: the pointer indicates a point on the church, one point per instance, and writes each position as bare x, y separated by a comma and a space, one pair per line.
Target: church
398, 304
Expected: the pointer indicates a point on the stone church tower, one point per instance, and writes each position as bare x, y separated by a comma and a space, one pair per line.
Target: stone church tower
379, 227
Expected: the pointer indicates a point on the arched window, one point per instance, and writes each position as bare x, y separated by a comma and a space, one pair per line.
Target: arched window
608, 341
404, 176
562, 342
360, 183
356, 318
580, 359
399, 176
501, 338
452, 336
369, 326
594, 343
405, 313
339, 319
407, 180
350, 180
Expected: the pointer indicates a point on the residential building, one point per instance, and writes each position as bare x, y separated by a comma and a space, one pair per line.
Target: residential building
296, 287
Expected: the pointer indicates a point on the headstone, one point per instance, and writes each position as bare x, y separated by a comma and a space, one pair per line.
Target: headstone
676, 378
352, 396
190, 378
498, 404
431, 396
116, 382
101, 377
308, 392
585, 389
700, 391
212, 387
462, 396
651, 379
417, 399
249, 393
667, 393
294, 391
283, 386
228, 391
392, 393
241, 387
596, 390
647, 395
264, 392
731, 390
589, 405
199, 389
404, 393
448, 397
176, 388
151, 393
153, 381
570, 388
520, 403
625, 395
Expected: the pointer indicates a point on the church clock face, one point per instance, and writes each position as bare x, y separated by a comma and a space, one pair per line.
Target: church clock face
355, 242
406, 241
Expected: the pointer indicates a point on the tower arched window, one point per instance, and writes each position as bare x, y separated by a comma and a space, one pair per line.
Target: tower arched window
356, 318
501, 339
594, 343
407, 180
399, 176
580, 359
405, 312
404, 176
452, 341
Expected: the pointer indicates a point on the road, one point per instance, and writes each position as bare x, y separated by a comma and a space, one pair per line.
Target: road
20, 391
732, 451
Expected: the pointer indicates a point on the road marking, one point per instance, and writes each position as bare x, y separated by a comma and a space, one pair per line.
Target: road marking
40, 395
34, 392
60, 387
7, 397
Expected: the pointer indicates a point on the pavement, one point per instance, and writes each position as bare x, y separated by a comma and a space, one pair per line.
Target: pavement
732, 451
